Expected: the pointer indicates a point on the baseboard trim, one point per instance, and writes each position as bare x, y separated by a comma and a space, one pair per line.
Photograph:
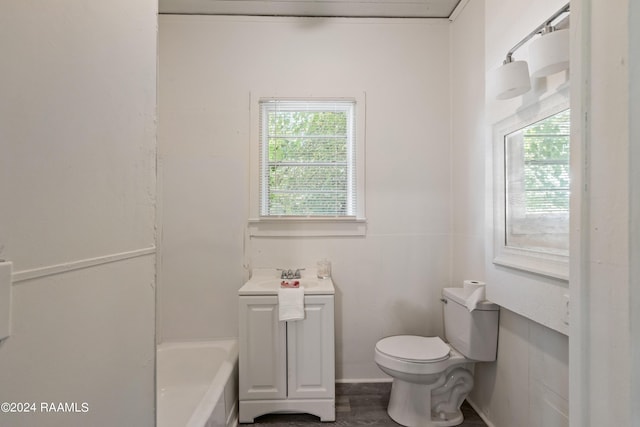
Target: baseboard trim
480, 413
363, 380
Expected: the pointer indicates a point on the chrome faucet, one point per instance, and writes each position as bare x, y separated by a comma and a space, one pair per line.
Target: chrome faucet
286, 274
290, 274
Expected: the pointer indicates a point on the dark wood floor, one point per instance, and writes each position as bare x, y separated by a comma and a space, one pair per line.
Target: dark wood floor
362, 404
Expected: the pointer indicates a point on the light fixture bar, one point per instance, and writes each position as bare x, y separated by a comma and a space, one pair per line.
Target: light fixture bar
538, 29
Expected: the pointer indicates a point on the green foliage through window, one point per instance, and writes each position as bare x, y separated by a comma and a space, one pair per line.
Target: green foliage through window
545, 162
307, 160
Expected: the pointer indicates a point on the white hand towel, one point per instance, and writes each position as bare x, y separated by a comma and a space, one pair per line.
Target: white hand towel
291, 303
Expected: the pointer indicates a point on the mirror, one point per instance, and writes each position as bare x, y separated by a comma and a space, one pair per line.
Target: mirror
531, 189
537, 185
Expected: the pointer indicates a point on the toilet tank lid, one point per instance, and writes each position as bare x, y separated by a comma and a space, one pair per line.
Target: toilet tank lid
460, 296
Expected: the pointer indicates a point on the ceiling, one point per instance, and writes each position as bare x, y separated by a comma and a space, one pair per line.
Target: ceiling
324, 8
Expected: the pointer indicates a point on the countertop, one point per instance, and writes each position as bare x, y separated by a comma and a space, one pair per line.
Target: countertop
266, 281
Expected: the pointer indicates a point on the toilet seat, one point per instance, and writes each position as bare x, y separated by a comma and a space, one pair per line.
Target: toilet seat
414, 349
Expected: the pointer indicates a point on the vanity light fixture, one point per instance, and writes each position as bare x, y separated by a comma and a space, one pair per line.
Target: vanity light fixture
512, 79
549, 54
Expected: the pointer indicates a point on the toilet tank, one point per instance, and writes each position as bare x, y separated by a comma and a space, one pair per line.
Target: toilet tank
472, 333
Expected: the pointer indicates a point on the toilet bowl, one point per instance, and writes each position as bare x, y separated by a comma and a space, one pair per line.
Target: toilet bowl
431, 378
420, 367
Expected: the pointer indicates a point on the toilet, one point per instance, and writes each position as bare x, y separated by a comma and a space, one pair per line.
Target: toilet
431, 377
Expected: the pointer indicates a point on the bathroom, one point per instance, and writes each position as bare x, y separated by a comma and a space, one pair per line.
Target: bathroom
126, 198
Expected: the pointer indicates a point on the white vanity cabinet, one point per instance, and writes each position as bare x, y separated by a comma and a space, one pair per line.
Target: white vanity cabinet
286, 366
263, 349
310, 351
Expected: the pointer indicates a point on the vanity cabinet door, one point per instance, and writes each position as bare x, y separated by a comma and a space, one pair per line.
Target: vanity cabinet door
262, 349
310, 346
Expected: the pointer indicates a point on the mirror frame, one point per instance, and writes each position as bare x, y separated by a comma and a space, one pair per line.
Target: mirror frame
532, 260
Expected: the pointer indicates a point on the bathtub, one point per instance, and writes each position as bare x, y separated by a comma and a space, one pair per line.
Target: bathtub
197, 384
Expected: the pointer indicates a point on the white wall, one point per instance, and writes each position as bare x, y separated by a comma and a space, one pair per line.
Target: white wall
604, 381
528, 385
468, 145
389, 281
77, 184
634, 202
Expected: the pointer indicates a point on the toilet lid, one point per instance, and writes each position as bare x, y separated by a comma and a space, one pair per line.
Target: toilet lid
413, 348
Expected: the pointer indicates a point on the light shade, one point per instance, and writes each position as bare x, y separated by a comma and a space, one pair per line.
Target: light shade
512, 79
549, 53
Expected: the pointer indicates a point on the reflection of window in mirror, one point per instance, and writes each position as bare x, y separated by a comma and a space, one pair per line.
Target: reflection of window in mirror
537, 186
531, 188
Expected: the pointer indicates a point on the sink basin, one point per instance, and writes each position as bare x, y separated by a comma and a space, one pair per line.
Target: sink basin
275, 283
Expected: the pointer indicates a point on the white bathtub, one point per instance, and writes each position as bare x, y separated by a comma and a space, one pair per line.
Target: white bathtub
197, 384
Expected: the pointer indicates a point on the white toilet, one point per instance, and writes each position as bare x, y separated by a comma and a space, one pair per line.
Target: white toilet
431, 378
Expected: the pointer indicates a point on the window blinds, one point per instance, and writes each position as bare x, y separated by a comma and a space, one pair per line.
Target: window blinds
546, 164
307, 158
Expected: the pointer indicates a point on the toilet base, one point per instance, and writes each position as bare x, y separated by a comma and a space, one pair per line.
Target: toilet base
410, 405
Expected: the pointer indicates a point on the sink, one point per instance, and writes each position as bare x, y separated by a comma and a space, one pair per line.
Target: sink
267, 282
275, 283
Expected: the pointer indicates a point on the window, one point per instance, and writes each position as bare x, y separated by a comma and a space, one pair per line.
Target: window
531, 188
307, 161
307, 166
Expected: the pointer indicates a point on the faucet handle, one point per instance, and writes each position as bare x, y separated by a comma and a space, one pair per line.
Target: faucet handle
297, 274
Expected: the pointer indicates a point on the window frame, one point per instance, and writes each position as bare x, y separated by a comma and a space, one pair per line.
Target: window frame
261, 225
538, 261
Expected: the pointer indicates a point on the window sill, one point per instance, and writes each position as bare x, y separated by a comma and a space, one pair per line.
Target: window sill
307, 227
